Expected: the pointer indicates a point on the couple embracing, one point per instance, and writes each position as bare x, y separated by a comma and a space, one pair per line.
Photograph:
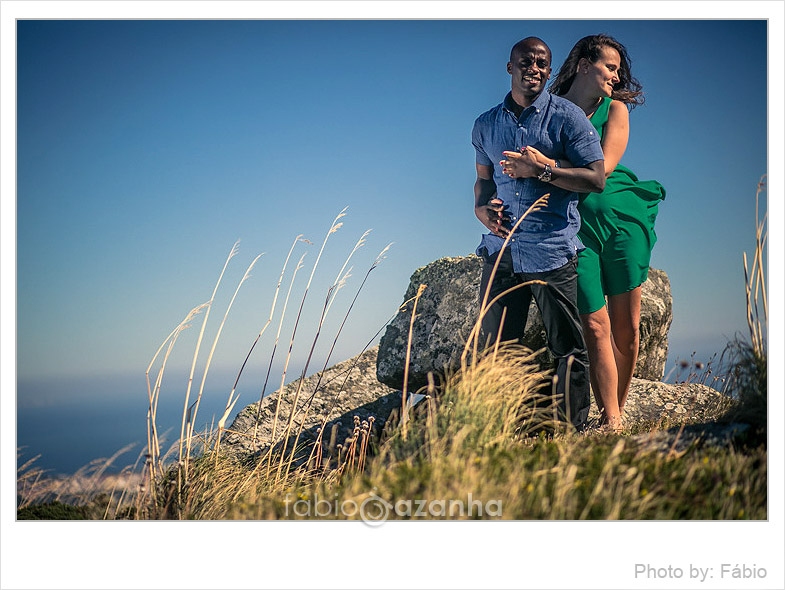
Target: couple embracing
593, 238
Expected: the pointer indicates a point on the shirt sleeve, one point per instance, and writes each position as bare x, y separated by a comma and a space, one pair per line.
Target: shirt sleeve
582, 143
481, 157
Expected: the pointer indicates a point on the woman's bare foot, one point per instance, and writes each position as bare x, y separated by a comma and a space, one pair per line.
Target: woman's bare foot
613, 424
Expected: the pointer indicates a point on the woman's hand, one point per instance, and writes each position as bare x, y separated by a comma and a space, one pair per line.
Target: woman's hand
521, 165
539, 157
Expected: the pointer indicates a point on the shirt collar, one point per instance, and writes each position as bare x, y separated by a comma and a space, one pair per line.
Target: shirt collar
539, 103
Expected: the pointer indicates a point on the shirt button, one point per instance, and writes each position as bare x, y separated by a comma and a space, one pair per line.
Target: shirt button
591, 132
512, 240
517, 194
513, 218
538, 110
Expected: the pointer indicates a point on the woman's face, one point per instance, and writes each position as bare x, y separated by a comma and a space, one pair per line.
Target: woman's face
604, 73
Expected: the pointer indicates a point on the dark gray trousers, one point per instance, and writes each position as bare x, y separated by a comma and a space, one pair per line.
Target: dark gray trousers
557, 302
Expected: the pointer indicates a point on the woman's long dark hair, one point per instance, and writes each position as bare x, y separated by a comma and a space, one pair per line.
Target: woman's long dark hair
627, 90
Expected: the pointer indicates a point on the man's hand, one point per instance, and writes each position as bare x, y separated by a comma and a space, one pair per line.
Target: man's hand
521, 165
531, 163
494, 217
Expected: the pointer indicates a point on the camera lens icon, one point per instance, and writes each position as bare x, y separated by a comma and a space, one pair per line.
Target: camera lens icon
374, 511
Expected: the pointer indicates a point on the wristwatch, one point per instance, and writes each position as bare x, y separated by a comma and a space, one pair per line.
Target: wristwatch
545, 175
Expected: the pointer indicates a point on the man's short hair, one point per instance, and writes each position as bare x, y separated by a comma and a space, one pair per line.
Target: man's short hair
529, 41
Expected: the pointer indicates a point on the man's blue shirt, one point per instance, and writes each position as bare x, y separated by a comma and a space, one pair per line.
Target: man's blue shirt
546, 239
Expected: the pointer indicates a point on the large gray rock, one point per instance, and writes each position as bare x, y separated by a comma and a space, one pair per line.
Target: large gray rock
656, 318
346, 390
449, 306
363, 396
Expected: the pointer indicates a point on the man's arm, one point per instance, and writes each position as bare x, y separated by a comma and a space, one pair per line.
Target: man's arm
488, 209
586, 179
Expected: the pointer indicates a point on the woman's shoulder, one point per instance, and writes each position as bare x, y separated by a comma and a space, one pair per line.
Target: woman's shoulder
618, 110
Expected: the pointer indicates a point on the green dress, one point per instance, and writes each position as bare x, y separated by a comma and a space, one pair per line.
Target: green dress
617, 228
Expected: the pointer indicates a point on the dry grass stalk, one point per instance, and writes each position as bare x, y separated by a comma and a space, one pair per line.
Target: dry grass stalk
309, 403
405, 392
339, 282
340, 389
301, 380
269, 320
272, 356
476, 329
334, 227
129, 470
232, 253
27, 481
153, 394
192, 419
755, 285
80, 488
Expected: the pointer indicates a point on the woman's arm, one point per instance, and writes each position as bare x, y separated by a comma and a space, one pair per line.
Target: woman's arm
616, 135
530, 163
614, 141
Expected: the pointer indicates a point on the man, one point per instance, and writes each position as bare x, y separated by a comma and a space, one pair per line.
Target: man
544, 245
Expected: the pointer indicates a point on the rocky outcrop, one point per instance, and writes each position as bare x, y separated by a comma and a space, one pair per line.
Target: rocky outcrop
654, 401
351, 389
449, 306
368, 384
346, 390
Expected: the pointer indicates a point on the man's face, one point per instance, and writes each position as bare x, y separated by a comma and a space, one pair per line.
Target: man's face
530, 69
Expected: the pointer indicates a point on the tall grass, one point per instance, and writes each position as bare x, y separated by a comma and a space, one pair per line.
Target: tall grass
490, 429
280, 325
748, 357
169, 489
491, 433
90, 486
334, 227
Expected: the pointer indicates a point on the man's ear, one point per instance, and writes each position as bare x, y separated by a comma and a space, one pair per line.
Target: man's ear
509, 67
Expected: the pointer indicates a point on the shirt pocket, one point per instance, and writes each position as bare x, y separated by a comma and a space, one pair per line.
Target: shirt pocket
545, 145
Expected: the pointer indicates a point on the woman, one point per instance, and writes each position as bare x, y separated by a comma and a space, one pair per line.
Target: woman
617, 225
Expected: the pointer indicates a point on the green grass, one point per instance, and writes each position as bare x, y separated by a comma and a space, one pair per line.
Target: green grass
52, 511
477, 444
491, 434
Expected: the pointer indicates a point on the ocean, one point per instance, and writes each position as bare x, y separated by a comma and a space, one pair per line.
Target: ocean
69, 423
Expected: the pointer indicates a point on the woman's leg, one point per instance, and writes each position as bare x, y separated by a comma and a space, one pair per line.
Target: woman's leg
602, 365
625, 319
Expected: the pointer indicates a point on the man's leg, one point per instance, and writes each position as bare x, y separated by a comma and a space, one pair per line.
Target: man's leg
517, 302
559, 310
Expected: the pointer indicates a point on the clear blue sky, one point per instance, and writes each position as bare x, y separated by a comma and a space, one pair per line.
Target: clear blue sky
146, 148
